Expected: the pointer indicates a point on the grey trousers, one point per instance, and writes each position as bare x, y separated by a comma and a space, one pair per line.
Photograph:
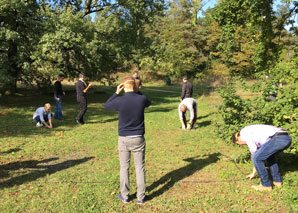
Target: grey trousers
136, 145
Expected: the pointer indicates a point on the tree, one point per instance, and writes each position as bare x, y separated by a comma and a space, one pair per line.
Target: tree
19, 32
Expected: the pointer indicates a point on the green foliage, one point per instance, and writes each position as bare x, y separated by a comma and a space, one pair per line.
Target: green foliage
179, 45
237, 112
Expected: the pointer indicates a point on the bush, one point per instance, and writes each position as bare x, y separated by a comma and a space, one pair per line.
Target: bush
237, 112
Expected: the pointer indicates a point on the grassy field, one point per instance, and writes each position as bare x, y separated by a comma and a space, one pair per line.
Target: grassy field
73, 168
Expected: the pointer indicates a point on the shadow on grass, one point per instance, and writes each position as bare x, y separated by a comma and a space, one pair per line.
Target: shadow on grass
10, 151
287, 162
40, 170
203, 124
177, 175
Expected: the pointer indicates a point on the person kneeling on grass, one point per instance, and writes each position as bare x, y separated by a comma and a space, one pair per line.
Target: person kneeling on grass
43, 115
264, 141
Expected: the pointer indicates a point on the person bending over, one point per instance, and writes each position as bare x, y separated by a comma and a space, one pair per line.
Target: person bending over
191, 105
42, 115
264, 142
131, 130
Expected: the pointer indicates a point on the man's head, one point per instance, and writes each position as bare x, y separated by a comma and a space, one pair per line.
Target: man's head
183, 108
237, 139
135, 74
185, 79
129, 84
47, 107
82, 76
60, 77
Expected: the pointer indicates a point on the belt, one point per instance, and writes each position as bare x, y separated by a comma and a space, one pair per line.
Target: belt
280, 133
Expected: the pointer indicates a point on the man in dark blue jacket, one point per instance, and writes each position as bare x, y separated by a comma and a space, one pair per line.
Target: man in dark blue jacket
131, 129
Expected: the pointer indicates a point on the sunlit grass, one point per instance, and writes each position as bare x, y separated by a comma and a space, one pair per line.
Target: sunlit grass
74, 168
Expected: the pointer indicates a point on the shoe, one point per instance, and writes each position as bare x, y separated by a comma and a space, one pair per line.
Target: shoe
39, 124
261, 188
143, 201
122, 199
277, 184
78, 122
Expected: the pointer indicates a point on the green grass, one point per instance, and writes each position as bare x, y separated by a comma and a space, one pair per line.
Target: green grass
73, 168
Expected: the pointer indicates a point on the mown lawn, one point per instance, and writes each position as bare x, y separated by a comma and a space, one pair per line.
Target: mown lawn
73, 168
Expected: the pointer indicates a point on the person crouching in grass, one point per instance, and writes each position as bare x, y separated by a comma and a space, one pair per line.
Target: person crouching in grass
42, 115
264, 142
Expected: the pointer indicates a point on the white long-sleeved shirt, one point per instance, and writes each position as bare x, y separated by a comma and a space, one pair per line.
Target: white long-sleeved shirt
190, 103
256, 135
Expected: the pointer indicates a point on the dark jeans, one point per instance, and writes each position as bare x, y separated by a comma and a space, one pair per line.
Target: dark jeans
83, 108
37, 119
267, 152
58, 111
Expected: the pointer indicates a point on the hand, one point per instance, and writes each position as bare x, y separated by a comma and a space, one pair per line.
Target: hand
58, 99
120, 87
50, 126
89, 85
251, 176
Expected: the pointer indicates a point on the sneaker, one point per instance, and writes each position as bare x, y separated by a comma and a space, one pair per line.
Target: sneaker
277, 184
142, 201
39, 124
261, 188
122, 199
78, 122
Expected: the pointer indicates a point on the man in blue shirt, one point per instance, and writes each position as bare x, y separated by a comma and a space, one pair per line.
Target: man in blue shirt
131, 129
43, 115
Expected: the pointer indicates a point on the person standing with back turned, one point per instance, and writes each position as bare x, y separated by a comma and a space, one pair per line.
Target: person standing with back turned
58, 93
131, 129
186, 89
81, 89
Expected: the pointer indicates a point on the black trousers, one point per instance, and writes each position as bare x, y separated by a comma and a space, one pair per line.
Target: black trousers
195, 115
83, 107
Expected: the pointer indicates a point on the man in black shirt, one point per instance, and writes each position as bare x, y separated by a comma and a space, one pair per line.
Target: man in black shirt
131, 129
58, 93
81, 89
186, 89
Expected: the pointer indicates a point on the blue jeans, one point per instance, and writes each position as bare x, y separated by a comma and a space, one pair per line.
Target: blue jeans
37, 119
267, 152
58, 111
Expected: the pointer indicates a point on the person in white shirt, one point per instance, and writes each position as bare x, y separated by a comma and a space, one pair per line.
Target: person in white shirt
264, 141
191, 105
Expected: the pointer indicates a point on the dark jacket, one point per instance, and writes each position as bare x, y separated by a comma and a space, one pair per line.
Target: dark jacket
80, 86
186, 90
58, 89
130, 109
